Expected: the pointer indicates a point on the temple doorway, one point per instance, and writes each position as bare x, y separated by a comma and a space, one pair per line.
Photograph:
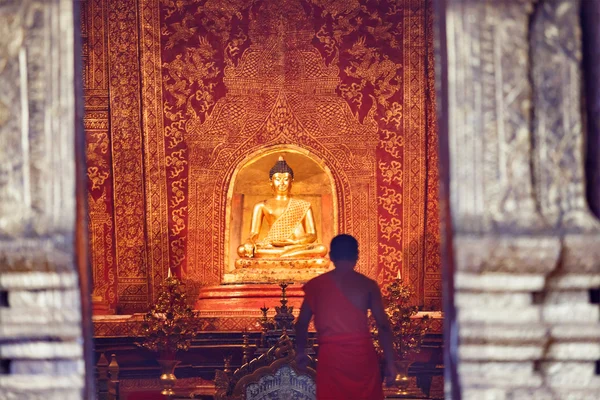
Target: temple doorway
185, 100
189, 106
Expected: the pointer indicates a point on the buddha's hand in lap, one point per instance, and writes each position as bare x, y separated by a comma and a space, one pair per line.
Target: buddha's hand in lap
283, 243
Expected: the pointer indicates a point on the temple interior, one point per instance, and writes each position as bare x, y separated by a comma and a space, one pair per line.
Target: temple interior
186, 115
172, 173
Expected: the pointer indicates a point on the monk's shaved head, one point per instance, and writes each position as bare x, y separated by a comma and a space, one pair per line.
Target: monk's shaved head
343, 248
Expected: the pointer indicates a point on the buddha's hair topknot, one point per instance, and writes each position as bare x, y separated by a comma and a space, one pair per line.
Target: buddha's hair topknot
281, 167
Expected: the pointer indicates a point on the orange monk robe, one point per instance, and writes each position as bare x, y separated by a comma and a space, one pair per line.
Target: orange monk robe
348, 367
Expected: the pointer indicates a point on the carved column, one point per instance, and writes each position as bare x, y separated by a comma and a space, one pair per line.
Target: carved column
591, 55
521, 222
567, 365
40, 312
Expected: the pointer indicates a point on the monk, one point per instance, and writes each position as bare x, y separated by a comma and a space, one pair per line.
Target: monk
348, 366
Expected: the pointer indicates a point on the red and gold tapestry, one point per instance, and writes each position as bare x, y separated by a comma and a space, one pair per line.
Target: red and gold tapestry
194, 88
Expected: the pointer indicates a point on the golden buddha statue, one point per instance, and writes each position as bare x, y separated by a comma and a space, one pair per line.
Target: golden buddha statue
292, 232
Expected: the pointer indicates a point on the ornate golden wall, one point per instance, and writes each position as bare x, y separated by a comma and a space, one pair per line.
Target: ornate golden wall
179, 93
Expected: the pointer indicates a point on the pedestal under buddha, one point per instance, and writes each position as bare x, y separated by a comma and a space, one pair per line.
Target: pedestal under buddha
291, 241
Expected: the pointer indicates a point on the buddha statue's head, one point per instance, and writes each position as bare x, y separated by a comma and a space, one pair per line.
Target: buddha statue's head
281, 177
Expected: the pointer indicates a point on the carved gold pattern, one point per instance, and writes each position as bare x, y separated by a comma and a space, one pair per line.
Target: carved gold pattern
432, 274
98, 150
208, 321
127, 164
100, 228
216, 81
242, 384
275, 122
156, 158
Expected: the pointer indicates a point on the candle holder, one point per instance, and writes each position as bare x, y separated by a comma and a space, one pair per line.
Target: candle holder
401, 382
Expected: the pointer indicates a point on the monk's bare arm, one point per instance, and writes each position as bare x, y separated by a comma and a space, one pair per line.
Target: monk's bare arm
383, 323
302, 329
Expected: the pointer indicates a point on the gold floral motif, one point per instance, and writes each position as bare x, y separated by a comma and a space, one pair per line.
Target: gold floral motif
391, 228
342, 25
375, 69
392, 143
395, 8
178, 193
337, 7
432, 279
178, 250
155, 149
178, 215
177, 161
393, 115
180, 31
173, 6
194, 66
189, 77
127, 147
174, 132
97, 177
390, 199
98, 221
414, 127
390, 256
384, 31
328, 42
233, 48
96, 125
391, 172
97, 148
353, 92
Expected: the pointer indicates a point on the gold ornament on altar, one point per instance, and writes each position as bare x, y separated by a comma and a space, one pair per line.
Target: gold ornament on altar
407, 331
292, 231
170, 324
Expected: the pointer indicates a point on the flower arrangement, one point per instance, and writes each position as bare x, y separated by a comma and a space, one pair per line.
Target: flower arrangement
170, 324
407, 332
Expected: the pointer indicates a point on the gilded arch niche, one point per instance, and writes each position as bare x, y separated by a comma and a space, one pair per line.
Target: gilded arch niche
249, 184
349, 201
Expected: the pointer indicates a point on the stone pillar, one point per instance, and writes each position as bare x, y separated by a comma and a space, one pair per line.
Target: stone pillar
591, 55
572, 322
526, 245
41, 354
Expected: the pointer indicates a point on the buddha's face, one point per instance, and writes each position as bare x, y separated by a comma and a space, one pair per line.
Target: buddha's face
281, 183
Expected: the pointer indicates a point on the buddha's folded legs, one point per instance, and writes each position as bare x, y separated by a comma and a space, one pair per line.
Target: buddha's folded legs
311, 250
297, 251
